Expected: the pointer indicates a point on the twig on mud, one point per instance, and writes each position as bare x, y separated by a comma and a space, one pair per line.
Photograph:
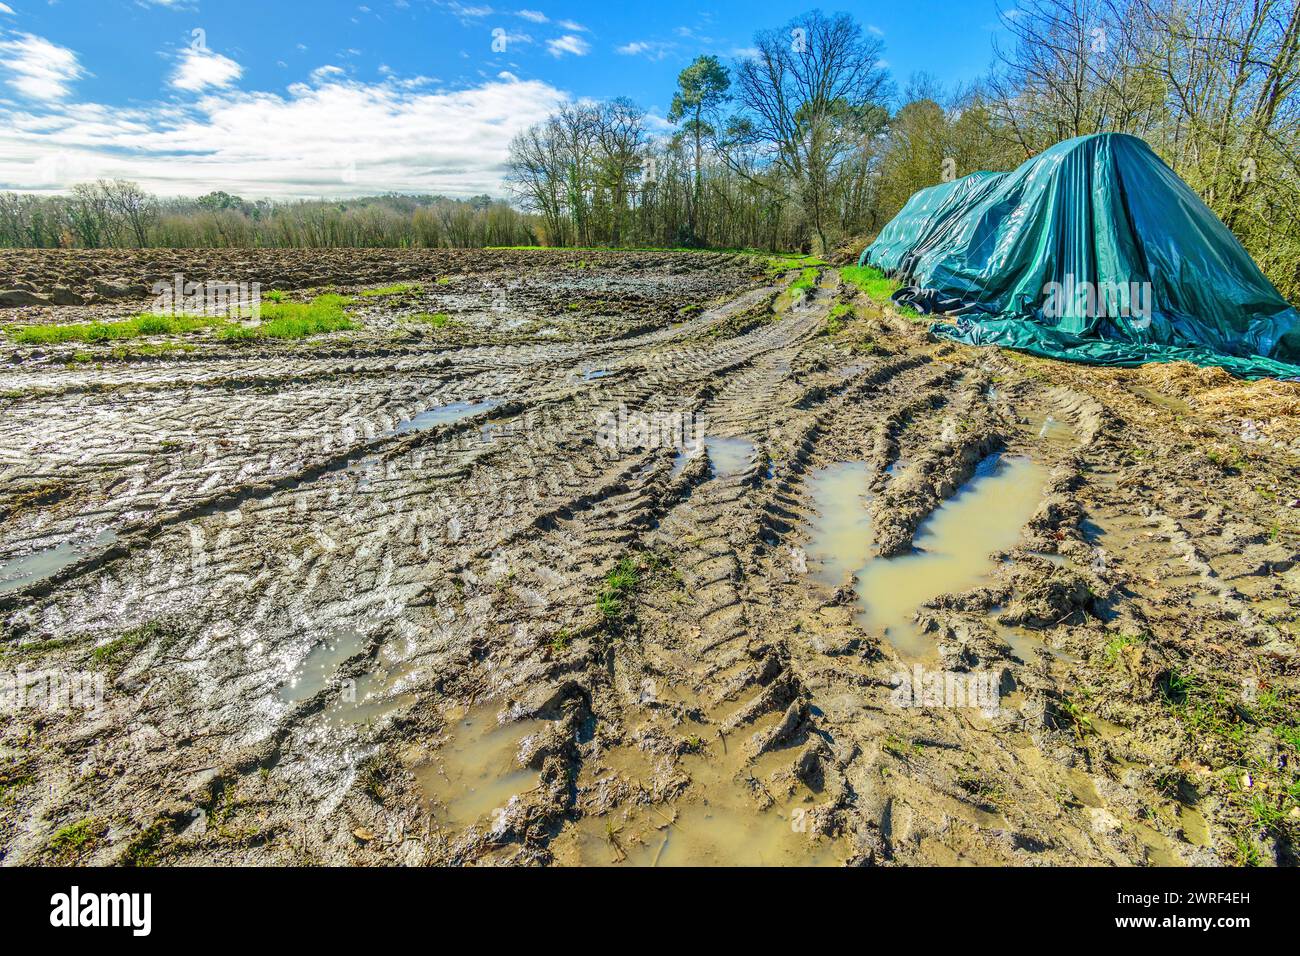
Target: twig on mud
669, 821
660, 852
1069, 615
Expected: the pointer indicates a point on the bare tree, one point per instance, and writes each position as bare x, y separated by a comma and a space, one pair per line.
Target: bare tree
804, 95
133, 206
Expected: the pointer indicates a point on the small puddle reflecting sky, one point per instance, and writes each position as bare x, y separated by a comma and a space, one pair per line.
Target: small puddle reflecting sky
18, 573
729, 456
443, 415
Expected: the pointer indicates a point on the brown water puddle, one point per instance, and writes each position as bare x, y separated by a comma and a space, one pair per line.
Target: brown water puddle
722, 827
476, 771
840, 537
953, 548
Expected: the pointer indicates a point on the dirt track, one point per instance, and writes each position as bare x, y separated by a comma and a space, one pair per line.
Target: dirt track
405, 594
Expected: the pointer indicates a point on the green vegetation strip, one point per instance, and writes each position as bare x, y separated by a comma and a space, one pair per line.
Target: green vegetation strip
295, 320
438, 320
278, 320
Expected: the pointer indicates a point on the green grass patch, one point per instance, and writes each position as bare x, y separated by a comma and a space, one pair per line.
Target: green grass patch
878, 287
779, 264
139, 326
1114, 648
145, 849
398, 288
807, 280
279, 320
870, 280
112, 654
835, 321
1265, 789
10, 786
628, 577
295, 320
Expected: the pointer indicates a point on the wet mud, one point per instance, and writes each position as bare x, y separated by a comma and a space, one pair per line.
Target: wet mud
636, 560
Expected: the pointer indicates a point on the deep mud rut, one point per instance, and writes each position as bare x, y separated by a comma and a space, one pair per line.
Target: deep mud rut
406, 595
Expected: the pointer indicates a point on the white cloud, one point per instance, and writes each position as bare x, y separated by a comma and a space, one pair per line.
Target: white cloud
570, 25
536, 16
327, 72
463, 10
37, 68
568, 44
647, 48
334, 138
200, 68
872, 28
5, 8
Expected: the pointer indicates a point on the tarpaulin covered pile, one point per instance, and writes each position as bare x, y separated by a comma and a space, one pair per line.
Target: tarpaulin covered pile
1092, 251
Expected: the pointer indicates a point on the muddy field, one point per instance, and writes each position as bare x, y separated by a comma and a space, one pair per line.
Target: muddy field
639, 558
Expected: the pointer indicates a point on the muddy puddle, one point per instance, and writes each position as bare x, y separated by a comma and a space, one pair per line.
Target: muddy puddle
700, 834
1026, 644
367, 699
443, 415
840, 538
683, 458
952, 549
17, 573
476, 771
1053, 431
320, 665
729, 456
724, 828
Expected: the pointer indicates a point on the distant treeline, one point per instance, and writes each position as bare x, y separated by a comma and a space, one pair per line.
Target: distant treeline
118, 213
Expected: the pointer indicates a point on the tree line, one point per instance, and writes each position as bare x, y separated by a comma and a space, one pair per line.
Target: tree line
118, 213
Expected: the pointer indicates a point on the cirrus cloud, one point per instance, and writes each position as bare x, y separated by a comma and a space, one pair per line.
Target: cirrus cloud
37, 68
568, 43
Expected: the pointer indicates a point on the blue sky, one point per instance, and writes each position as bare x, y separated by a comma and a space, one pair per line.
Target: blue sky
330, 98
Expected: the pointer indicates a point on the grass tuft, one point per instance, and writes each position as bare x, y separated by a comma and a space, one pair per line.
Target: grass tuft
397, 288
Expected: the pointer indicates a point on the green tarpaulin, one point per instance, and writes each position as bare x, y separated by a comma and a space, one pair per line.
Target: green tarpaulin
1092, 251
